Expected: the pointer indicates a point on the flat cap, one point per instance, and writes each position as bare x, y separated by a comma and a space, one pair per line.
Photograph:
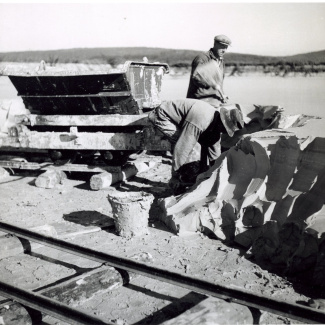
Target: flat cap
232, 119
223, 39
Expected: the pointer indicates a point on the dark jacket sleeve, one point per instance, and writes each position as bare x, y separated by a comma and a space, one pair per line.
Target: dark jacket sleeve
211, 139
198, 74
214, 151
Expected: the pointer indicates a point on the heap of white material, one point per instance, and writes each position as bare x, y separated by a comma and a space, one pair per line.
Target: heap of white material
266, 193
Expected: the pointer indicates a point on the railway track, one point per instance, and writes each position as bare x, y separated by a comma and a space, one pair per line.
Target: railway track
75, 316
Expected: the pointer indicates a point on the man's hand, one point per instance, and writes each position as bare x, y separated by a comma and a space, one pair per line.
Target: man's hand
174, 183
178, 186
219, 92
224, 99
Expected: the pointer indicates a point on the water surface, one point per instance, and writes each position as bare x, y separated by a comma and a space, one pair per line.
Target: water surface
297, 95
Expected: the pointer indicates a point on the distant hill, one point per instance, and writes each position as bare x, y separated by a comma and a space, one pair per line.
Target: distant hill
118, 55
315, 57
306, 58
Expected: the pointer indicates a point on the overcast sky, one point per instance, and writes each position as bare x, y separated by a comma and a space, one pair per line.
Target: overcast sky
276, 28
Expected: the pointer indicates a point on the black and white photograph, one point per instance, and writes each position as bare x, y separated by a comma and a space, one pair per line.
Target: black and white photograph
162, 162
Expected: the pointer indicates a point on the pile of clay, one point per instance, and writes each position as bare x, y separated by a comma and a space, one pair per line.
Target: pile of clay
266, 193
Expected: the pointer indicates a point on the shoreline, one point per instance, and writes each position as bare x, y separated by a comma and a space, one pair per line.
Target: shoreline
230, 71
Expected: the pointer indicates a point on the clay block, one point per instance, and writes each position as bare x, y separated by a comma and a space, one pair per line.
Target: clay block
3, 173
104, 180
14, 314
50, 179
10, 246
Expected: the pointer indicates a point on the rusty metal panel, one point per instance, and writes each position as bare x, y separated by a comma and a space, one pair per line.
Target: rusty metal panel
145, 81
125, 91
76, 94
86, 84
85, 105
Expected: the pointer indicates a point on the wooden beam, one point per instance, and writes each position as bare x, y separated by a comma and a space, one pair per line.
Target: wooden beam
82, 120
105, 180
65, 167
146, 140
85, 286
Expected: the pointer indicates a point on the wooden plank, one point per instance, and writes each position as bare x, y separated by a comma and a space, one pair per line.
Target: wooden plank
20, 164
85, 286
67, 167
145, 140
82, 120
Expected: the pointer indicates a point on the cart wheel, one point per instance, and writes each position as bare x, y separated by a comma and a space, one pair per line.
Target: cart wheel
61, 157
115, 157
86, 157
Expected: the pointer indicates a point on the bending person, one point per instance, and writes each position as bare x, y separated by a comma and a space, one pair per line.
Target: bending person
186, 122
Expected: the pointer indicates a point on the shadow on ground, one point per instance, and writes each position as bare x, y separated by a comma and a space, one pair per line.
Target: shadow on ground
90, 219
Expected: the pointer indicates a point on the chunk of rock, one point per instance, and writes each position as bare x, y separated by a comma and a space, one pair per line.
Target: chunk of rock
14, 314
3, 173
50, 178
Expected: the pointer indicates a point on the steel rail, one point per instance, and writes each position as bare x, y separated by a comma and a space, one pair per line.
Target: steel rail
291, 310
49, 306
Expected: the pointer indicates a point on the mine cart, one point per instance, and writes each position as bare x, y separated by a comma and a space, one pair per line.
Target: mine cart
76, 115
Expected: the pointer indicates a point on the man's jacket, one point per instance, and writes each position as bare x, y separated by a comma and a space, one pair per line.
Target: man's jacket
197, 122
207, 71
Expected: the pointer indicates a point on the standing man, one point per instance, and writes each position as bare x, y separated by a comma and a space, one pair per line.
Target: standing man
208, 72
186, 122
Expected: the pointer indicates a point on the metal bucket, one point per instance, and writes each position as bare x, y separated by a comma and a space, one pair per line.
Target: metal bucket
131, 212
